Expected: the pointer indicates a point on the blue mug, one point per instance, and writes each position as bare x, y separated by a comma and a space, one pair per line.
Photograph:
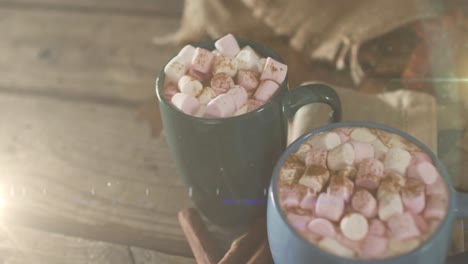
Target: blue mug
288, 247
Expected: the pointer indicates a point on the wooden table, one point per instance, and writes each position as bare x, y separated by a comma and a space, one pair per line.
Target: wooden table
83, 180
74, 158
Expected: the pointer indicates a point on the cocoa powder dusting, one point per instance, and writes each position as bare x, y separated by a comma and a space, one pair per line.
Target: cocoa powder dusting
360, 199
413, 187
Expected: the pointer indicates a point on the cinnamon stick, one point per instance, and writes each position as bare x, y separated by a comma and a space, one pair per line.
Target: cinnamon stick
262, 255
244, 247
204, 246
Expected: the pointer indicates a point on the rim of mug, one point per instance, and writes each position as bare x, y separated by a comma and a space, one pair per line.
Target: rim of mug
283, 86
449, 217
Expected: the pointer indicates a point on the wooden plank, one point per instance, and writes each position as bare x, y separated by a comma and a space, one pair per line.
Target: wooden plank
84, 54
21, 245
91, 170
141, 7
144, 256
24, 245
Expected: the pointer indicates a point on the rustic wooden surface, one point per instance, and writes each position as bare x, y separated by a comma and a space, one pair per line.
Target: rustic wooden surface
21, 245
75, 162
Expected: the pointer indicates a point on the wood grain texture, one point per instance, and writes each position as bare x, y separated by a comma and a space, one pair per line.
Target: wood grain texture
84, 54
140, 7
144, 256
21, 245
90, 170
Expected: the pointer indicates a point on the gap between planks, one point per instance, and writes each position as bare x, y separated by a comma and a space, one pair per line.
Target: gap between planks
128, 8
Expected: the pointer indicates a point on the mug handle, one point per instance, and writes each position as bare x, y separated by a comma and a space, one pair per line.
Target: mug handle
308, 94
461, 211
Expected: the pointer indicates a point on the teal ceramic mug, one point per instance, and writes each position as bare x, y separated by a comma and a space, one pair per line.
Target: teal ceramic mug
289, 247
226, 164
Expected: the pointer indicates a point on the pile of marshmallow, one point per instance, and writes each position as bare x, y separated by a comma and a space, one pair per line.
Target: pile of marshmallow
225, 82
362, 193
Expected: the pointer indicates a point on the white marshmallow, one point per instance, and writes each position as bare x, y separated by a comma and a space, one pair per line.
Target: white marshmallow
397, 159
221, 107
201, 111
186, 103
354, 226
224, 64
363, 134
390, 205
332, 246
239, 94
241, 110
189, 85
325, 141
186, 54
175, 69
206, 95
315, 177
261, 64
340, 157
247, 59
302, 151
380, 149
292, 169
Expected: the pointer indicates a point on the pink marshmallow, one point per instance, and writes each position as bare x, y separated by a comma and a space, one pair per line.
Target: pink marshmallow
374, 247
228, 46
316, 157
423, 171
239, 94
414, 197
298, 222
274, 70
254, 104
202, 60
329, 206
351, 244
221, 83
186, 103
221, 106
376, 227
371, 166
362, 151
341, 186
437, 188
200, 75
418, 156
369, 173
365, 203
265, 90
343, 137
403, 226
286, 191
322, 227
170, 89
368, 181
308, 202
436, 207
247, 79
291, 200
421, 223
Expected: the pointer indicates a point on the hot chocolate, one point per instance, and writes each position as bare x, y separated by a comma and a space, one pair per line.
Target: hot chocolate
362, 193
225, 82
